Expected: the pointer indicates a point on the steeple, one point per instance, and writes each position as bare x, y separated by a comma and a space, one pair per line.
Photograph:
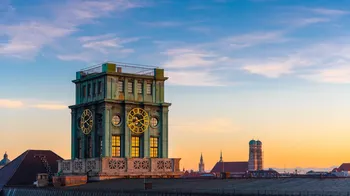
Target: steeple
220, 156
5, 155
201, 165
201, 160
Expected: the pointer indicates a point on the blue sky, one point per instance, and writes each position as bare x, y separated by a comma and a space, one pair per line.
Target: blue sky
246, 68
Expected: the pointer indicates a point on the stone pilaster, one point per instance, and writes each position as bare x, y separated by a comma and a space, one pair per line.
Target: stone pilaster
106, 144
73, 134
164, 132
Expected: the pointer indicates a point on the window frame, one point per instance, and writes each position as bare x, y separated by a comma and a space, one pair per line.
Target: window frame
149, 88
139, 87
130, 86
94, 89
99, 87
135, 149
89, 90
116, 147
120, 86
154, 147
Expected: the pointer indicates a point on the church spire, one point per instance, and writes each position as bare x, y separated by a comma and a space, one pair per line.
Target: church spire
201, 160
221, 156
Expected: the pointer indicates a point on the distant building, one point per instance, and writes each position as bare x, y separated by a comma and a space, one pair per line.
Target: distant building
4, 161
255, 161
201, 165
24, 169
235, 169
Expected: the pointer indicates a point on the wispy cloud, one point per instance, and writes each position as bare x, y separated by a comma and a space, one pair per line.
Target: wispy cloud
26, 39
163, 24
15, 104
50, 106
7, 103
256, 38
91, 47
329, 12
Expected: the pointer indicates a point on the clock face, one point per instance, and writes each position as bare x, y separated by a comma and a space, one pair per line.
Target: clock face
115, 120
86, 121
154, 122
138, 120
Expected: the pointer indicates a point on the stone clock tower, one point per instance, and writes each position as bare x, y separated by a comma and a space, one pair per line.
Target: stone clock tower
119, 112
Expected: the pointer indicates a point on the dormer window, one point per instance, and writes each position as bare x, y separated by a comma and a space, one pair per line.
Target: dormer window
130, 87
149, 89
139, 87
120, 86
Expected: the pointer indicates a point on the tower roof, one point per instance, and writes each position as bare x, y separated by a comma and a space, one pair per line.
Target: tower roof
252, 142
23, 169
258, 142
5, 160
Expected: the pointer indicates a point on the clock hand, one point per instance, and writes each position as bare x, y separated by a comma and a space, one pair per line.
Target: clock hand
88, 119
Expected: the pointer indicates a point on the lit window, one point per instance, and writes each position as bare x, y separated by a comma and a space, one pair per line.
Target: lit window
135, 146
154, 147
149, 89
139, 88
120, 86
115, 146
130, 87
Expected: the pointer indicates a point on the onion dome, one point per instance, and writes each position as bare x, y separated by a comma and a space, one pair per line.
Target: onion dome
259, 143
252, 142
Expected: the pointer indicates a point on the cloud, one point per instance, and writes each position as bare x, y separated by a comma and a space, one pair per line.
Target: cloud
162, 24
50, 106
12, 104
7, 103
212, 125
26, 39
193, 78
329, 12
253, 39
337, 75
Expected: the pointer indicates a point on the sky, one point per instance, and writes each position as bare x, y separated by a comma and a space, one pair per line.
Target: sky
273, 70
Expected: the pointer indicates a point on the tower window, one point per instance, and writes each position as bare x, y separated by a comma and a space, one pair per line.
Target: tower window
89, 147
130, 87
139, 88
79, 149
154, 147
115, 145
99, 87
84, 91
120, 86
149, 89
135, 146
89, 90
94, 89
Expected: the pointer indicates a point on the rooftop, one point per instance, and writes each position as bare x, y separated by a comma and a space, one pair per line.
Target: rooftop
119, 67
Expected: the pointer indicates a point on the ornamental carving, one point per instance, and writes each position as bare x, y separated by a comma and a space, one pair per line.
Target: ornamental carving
145, 165
78, 165
65, 166
167, 164
137, 164
112, 164
160, 165
91, 165
121, 164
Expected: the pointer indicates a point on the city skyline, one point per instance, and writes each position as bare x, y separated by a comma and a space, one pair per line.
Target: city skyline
238, 70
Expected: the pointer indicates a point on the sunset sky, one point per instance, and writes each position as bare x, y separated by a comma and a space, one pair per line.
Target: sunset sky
273, 70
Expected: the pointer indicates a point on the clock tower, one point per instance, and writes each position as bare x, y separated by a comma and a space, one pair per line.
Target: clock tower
119, 112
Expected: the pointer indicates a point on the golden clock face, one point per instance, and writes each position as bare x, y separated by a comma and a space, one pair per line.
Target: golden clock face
86, 121
138, 120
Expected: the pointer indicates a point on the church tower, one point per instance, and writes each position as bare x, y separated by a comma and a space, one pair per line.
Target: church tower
252, 162
120, 111
201, 165
259, 155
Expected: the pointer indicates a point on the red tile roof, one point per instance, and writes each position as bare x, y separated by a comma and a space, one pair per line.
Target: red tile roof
344, 167
23, 169
230, 167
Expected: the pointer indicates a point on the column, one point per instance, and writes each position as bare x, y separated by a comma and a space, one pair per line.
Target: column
127, 145
106, 148
146, 146
164, 132
73, 134
94, 131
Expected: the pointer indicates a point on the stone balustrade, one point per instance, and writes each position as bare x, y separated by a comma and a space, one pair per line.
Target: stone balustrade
109, 166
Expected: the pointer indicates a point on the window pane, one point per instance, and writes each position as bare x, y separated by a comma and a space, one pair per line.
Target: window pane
130, 87
139, 88
149, 89
120, 86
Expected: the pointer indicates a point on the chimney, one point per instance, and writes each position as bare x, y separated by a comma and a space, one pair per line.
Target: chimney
119, 70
